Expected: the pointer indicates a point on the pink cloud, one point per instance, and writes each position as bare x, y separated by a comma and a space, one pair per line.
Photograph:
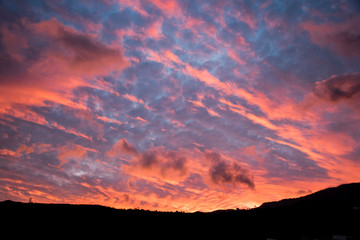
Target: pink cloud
170, 7
154, 30
285, 108
69, 54
159, 165
120, 147
235, 57
68, 60
210, 111
247, 17
79, 52
342, 38
13, 41
339, 87
63, 83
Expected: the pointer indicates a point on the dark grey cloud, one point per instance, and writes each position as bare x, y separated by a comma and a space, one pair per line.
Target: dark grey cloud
86, 48
222, 172
127, 147
339, 87
348, 42
148, 160
162, 161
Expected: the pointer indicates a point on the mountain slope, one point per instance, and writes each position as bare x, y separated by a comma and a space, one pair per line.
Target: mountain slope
320, 215
345, 195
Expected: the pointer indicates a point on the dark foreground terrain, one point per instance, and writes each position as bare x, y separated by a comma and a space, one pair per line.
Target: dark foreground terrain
333, 213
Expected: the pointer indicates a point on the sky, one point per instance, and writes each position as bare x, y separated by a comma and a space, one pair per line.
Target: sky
178, 105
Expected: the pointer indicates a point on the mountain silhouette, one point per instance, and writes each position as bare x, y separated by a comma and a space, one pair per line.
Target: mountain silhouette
332, 213
344, 195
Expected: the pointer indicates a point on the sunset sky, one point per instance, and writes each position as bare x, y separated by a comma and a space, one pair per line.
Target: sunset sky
180, 104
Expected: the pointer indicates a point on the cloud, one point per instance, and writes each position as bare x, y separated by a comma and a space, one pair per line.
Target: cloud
51, 60
348, 41
63, 50
12, 42
339, 87
159, 163
206, 110
122, 146
71, 152
222, 172
128, 148
170, 7
164, 161
210, 111
341, 37
78, 51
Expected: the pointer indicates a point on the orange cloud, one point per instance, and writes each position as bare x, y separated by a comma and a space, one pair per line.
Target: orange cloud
122, 146
69, 52
133, 98
68, 60
158, 164
69, 152
210, 111
314, 143
110, 120
9, 152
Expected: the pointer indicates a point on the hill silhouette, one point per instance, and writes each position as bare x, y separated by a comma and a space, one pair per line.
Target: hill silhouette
332, 213
347, 194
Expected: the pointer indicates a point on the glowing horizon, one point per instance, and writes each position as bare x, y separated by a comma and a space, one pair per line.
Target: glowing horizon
178, 105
